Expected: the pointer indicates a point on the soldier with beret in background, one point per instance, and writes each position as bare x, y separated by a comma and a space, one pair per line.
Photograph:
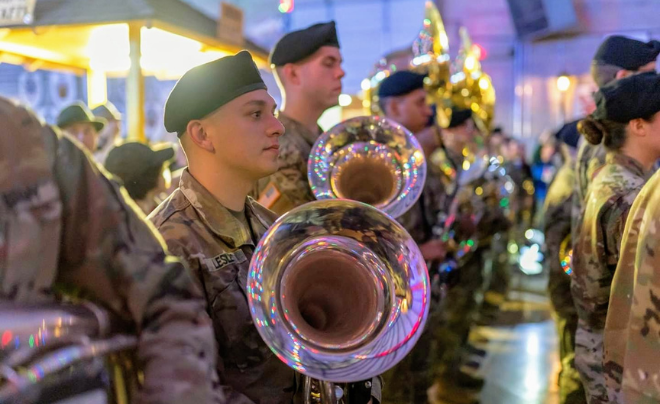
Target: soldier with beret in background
616, 58
627, 123
144, 172
79, 122
307, 66
557, 229
111, 132
403, 99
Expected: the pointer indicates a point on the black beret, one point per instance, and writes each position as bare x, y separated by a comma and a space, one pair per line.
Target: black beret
569, 134
205, 88
627, 53
297, 45
107, 111
133, 159
459, 117
401, 83
633, 97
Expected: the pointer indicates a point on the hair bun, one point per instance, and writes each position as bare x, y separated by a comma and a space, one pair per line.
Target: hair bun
592, 130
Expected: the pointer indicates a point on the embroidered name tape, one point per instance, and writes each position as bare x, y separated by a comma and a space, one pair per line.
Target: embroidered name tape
220, 261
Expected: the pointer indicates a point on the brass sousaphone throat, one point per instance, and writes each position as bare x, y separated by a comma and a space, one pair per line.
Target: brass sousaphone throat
368, 159
339, 291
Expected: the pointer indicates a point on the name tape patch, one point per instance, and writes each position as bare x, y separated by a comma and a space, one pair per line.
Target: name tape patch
222, 260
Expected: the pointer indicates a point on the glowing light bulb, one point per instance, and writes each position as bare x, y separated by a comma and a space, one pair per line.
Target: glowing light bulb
563, 83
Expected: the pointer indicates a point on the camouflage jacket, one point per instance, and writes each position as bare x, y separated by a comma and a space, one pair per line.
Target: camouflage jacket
590, 159
421, 219
65, 226
631, 341
557, 226
288, 187
596, 250
218, 247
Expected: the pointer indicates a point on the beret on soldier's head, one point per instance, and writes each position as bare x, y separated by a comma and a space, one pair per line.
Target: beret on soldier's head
107, 111
400, 83
297, 45
569, 134
627, 53
205, 88
459, 117
634, 97
131, 160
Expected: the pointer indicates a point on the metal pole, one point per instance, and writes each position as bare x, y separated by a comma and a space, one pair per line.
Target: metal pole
135, 86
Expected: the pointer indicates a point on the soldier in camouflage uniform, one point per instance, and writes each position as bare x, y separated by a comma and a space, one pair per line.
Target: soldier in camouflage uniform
557, 228
225, 121
617, 57
624, 122
307, 66
403, 99
632, 346
65, 227
461, 305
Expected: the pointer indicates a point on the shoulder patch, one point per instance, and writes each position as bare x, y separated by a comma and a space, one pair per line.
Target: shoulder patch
269, 195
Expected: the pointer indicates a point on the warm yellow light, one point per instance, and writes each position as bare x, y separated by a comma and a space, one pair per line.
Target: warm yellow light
479, 191
466, 165
366, 84
108, 48
345, 100
470, 62
484, 83
563, 83
97, 88
164, 54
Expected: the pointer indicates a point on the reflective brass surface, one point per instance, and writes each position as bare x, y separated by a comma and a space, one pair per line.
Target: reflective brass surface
369, 159
338, 290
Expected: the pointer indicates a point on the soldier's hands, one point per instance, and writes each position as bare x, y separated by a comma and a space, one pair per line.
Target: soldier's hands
434, 250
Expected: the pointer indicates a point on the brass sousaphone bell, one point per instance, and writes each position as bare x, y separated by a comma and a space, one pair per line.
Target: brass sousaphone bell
339, 291
337, 288
369, 159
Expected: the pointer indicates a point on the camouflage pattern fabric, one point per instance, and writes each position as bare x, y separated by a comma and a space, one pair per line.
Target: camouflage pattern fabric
632, 330
217, 248
590, 159
557, 220
557, 227
419, 221
288, 187
64, 226
595, 256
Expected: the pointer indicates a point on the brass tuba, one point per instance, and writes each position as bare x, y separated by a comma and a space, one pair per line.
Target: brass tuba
339, 291
429, 56
368, 159
471, 87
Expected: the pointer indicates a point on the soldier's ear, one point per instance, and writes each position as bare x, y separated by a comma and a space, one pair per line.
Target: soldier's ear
637, 127
392, 107
291, 74
199, 136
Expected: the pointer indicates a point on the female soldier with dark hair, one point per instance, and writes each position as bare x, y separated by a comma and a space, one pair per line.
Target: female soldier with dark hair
626, 122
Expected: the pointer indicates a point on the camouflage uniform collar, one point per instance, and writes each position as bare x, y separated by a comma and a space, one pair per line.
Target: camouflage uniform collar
628, 163
300, 128
217, 217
